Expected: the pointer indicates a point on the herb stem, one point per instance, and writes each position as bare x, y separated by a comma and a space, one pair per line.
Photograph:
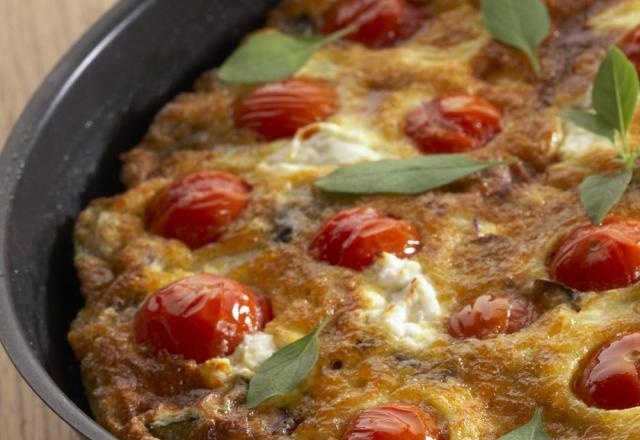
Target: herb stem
625, 149
628, 157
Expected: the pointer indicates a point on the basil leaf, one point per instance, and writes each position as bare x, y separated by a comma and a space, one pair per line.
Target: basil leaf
522, 24
601, 193
591, 122
272, 56
283, 371
404, 176
615, 90
531, 431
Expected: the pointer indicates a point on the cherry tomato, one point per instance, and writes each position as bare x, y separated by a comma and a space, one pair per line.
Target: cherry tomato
611, 377
355, 237
398, 421
196, 208
492, 315
378, 23
631, 47
200, 317
278, 109
453, 124
597, 258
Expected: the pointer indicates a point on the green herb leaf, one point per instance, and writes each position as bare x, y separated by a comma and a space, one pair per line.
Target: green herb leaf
591, 122
272, 56
615, 90
283, 371
522, 24
601, 193
404, 176
614, 96
175, 425
531, 431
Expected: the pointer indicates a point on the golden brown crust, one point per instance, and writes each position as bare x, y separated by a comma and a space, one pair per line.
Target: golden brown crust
491, 232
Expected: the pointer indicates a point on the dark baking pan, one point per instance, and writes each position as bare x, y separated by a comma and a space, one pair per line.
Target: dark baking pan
63, 152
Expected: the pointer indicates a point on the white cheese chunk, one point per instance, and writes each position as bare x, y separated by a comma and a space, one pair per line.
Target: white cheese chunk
402, 302
577, 141
326, 143
318, 145
254, 349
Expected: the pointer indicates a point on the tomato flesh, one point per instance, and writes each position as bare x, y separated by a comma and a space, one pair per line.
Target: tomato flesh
355, 237
611, 377
631, 47
378, 23
597, 258
399, 421
492, 315
453, 124
196, 208
200, 317
278, 109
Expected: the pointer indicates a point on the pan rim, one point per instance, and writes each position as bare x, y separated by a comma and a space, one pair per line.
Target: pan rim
17, 149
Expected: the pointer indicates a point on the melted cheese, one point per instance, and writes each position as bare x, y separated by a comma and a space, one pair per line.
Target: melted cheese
624, 16
402, 302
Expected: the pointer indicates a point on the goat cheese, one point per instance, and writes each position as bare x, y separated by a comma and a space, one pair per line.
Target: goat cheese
402, 301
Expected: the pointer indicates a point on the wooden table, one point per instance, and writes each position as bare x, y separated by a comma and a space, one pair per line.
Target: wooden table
33, 36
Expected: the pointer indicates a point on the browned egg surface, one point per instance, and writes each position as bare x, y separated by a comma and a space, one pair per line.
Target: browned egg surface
492, 232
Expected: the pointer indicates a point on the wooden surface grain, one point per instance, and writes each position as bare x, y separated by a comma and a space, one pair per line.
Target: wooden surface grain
33, 36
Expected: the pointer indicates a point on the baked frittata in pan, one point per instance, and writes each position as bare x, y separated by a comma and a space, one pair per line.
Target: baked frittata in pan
414, 234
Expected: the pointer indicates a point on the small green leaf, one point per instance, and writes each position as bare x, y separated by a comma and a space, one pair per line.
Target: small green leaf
531, 431
615, 90
590, 122
174, 426
283, 371
272, 56
601, 193
404, 176
522, 24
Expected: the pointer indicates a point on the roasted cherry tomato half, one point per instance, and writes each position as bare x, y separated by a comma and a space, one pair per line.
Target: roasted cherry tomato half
453, 124
196, 208
611, 376
278, 109
397, 421
200, 317
355, 237
631, 47
492, 315
378, 23
597, 258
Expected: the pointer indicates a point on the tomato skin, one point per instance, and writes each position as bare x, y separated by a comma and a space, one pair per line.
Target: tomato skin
355, 237
200, 317
453, 124
630, 45
380, 23
597, 258
492, 315
611, 377
398, 421
196, 208
278, 109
